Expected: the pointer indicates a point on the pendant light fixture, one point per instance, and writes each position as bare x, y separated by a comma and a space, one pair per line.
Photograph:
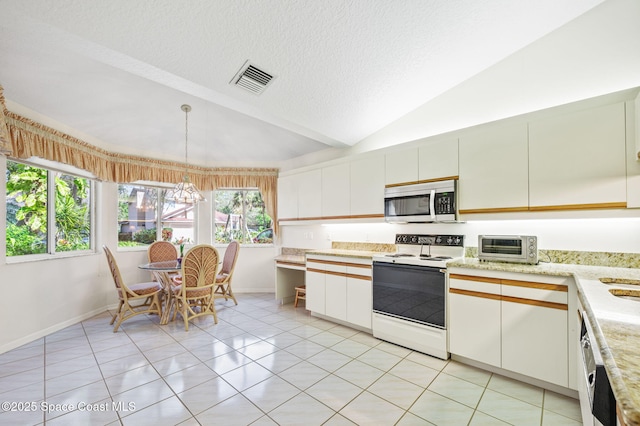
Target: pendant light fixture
185, 192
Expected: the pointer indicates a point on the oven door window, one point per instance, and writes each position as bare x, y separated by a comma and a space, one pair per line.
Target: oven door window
415, 293
413, 205
502, 246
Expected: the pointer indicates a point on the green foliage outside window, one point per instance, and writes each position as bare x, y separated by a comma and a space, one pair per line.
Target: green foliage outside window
241, 215
28, 211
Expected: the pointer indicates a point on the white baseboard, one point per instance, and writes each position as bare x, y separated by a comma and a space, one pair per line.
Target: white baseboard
52, 329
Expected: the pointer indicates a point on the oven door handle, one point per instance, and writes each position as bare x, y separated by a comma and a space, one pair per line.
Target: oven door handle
432, 205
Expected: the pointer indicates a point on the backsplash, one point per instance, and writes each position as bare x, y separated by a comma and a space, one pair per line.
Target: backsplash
592, 258
378, 247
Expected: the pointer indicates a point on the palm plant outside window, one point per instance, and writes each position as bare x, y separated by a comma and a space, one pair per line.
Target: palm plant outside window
240, 215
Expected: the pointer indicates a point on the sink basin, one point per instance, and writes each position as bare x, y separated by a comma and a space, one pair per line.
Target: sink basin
624, 293
626, 283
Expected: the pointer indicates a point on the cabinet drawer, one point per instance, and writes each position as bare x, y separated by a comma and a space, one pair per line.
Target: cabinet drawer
467, 285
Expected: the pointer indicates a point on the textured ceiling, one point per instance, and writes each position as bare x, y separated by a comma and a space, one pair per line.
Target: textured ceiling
116, 72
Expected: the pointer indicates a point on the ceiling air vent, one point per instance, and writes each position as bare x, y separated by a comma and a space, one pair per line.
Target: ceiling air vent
252, 78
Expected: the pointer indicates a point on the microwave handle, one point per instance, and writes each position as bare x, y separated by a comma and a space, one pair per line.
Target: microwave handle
432, 205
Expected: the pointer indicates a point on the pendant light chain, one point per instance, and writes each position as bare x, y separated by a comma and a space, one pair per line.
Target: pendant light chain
186, 108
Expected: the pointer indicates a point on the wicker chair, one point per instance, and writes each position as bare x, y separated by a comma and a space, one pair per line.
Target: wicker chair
161, 251
129, 295
194, 296
223, 280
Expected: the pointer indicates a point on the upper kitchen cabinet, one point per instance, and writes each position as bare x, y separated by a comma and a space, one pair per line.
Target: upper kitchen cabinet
288, 197
493, 169
335, 190
367, 186
309, 194
438, 160
401, 166
577, 160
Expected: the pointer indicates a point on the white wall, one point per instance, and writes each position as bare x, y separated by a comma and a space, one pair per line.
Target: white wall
621, 234
593, 55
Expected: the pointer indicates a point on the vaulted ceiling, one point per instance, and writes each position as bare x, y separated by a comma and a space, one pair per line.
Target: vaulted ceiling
115, 73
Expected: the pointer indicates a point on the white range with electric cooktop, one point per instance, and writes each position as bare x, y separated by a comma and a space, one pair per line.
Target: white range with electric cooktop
409, 292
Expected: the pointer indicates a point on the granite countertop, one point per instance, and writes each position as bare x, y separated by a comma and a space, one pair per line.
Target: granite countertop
615, 321
339, 249
360, 254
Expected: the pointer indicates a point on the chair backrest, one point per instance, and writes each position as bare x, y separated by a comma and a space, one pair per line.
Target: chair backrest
230, 257
113, 267
161, 251
199, 266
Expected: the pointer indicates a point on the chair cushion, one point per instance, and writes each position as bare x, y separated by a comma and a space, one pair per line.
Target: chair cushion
145, 288
221, 277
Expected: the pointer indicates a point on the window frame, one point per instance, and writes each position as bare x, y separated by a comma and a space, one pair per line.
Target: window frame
244, 214
157, 187
53, 168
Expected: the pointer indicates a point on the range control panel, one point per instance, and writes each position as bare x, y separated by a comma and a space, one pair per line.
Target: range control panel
431, 240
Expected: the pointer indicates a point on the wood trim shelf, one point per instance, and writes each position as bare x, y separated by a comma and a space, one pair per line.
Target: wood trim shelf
593, 206
392, 185
542, 303
523, 301
474, 278
340, 274
563, 207
333, 262
476, 294
355, 216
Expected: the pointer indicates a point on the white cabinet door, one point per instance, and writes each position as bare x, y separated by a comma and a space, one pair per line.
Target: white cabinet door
367, 186
315, 283
578, 159
336, 296
474, 328
535, 342
288, 197
336, 190
401, 166
359, 301
309, 194
438, 159
494, 169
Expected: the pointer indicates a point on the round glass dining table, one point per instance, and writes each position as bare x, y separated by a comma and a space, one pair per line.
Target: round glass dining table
163, 272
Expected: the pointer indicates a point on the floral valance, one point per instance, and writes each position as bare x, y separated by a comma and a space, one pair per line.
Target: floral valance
32, 139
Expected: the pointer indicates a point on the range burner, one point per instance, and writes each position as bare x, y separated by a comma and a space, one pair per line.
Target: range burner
427, 257
400, 255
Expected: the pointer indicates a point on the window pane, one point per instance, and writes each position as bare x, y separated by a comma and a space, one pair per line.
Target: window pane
258, 221
137, 215
73, 213
240, 215
26, 209
177, 220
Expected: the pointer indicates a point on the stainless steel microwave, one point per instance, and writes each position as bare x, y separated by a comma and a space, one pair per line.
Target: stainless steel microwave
421, 202
508, 248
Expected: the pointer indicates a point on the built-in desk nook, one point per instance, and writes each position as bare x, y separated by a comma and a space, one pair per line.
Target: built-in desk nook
290, 271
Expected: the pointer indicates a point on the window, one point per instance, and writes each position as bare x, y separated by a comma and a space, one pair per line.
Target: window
240, 215
47, 211
139, 221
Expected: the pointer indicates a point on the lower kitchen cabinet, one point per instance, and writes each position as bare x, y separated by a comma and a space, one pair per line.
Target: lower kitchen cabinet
474, 314
314, 282
516, 322
340, 288
534, 341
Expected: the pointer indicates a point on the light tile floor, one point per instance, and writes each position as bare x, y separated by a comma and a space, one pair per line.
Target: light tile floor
262, 364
